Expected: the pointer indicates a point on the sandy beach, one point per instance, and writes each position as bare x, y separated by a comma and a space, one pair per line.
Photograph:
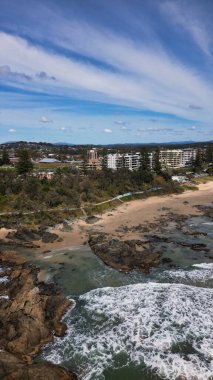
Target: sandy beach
143, 211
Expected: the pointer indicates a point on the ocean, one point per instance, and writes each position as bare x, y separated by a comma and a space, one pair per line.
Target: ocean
137, 326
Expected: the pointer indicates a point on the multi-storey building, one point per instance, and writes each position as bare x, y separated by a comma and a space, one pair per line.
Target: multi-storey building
115, 161
92, 155
189, 156
132, 160
112, 161
171, 158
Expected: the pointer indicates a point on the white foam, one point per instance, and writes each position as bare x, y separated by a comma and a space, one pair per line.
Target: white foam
191, 277
4, 280
4, 297
144, 322
204, 265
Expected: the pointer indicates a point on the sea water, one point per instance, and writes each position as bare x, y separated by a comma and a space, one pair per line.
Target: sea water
136, 326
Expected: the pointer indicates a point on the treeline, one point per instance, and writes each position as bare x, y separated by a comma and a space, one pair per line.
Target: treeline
70, 188
22, 189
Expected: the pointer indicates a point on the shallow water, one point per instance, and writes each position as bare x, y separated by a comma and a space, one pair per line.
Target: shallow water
136, 326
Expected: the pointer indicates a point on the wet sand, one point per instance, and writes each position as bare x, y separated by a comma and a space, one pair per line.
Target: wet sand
143, 211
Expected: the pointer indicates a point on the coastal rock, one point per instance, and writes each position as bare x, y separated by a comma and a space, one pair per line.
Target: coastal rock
30, 315
125, 255
12, 368
24, 236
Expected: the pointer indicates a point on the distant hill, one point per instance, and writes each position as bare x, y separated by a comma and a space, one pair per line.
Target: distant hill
31, 144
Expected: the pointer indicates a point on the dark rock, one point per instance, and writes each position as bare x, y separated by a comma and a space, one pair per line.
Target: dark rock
92, 219
24, 234
166, 260
49, 237
125, 255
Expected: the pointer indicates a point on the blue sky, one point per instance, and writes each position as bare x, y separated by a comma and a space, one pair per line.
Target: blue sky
94, 71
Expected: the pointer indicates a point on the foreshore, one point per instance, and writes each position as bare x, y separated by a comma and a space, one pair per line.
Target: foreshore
143, 211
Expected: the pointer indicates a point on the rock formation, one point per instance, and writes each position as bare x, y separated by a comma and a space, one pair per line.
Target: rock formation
30, 315
124, 255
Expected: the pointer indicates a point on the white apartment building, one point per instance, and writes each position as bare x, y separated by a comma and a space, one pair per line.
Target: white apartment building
132, 160
169, 158
189, 155
111, 161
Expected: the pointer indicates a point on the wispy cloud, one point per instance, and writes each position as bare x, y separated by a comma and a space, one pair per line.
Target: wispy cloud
155, 129
193, 19
45, 119
154, 82
138, 61
12, 130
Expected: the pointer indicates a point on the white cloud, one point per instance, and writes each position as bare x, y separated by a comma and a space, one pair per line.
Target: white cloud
12, 130
193, 128
107, 130
145, 78
45, 119
62, 129
193, 20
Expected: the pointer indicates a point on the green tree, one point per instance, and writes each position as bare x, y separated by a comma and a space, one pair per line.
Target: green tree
5, 158
24, 164
144, 171
156, 163
144, 160
209, 154
198, 162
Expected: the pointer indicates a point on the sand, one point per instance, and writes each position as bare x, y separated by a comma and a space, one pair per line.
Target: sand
143, 211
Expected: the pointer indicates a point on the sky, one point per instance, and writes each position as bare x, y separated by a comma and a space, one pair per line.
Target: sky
106, 71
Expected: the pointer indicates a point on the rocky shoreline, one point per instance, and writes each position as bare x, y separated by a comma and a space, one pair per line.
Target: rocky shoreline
30, 316
140, 254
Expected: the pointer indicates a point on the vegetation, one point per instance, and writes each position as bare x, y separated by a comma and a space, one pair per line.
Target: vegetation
21, 188
69, 188
5, 160
24, 164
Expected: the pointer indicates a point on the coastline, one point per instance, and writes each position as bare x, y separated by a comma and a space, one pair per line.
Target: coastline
30, 315
128, 221
149, 211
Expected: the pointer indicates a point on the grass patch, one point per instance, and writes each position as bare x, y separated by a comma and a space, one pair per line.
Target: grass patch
189, 187
204, 179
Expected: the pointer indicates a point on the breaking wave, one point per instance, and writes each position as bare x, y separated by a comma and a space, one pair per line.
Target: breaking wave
167, 328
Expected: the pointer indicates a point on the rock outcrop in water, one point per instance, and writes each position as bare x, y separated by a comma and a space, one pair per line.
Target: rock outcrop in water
30, 314
124, 255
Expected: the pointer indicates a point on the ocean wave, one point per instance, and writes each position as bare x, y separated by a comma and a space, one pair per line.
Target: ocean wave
166, 327
208, 266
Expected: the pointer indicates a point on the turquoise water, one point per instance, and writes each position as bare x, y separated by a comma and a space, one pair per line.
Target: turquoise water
136, 326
